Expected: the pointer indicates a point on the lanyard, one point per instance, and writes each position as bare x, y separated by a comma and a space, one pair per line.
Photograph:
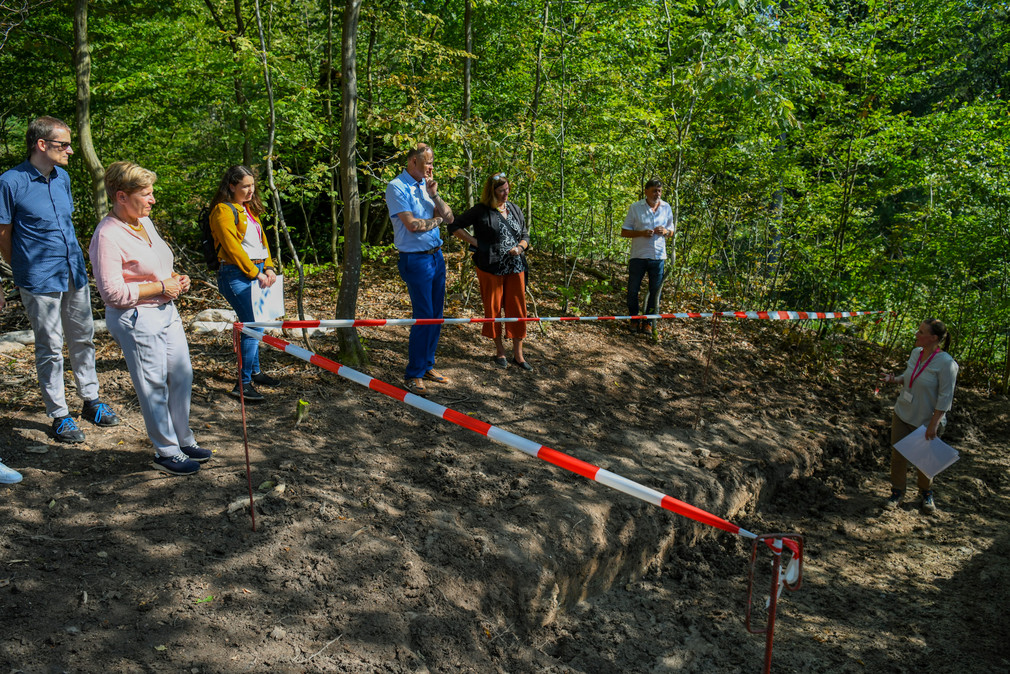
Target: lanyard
259, 230
916, 371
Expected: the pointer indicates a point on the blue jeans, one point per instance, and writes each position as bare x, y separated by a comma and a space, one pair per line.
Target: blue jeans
237, 289
425, 278
637, 269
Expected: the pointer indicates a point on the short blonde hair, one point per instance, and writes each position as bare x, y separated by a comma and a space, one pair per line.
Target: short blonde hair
125, 176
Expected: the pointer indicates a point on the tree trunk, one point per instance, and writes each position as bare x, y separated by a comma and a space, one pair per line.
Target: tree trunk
468, 31
334, 177
243, 122
82, 71
366, 211
533, 112
274, 192
351, 351
240, 98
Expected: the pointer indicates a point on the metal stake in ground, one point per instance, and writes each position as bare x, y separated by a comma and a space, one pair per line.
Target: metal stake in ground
790, 578
237, 339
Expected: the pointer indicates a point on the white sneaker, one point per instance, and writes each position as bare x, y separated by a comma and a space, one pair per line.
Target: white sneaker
9, 475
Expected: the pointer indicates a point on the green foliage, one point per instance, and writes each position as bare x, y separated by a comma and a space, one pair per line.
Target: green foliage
835, 155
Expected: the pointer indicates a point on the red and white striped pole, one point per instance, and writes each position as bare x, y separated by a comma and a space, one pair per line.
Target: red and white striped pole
530, 447
379, 322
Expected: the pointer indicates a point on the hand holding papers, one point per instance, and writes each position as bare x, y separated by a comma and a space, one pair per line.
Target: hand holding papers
929, 456
268, 303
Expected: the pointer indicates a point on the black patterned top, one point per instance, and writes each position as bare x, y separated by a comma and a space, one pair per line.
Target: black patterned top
496, 235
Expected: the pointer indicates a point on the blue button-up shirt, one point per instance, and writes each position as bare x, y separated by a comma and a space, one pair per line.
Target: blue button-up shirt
44, 248
404, 194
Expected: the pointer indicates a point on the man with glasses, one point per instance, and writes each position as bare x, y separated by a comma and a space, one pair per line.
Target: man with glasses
37, 237
412, 198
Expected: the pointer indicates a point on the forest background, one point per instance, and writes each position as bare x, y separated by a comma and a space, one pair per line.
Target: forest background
819, 154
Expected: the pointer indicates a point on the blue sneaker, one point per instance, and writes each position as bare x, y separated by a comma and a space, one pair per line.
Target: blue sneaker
66, 430
197, 453
99, 413
176, 465
9, 475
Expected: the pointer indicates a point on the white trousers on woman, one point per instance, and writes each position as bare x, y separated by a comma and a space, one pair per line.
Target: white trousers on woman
154, 345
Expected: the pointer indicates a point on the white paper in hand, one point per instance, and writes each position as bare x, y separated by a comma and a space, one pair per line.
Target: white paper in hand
268, 303
929, 456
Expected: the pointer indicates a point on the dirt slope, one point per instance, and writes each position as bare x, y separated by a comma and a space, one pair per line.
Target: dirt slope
393, 541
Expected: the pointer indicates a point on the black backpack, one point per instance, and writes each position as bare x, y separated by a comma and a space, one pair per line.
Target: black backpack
207, 243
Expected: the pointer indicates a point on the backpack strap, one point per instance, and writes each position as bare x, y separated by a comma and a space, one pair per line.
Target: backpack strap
235, 213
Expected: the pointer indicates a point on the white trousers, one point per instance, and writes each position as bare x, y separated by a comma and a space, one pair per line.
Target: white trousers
56, 317
154, 345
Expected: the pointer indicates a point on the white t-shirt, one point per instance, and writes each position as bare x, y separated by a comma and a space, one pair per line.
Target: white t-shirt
252, 243
641, 218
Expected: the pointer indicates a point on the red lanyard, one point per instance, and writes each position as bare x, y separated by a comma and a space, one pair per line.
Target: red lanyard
259, 230
916, 371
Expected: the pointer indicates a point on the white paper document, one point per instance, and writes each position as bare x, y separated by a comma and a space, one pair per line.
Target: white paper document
929, 456
268, 303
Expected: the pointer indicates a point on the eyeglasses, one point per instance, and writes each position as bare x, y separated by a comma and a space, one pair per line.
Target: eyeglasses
63, 145
499, 176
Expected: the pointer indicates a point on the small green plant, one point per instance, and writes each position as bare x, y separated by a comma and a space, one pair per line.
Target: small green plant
582, 296
311, 269
380, 252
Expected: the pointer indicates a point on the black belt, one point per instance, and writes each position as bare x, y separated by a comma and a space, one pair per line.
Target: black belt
431, 251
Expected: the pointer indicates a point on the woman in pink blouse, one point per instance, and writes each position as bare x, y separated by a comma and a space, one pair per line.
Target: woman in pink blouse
134, 275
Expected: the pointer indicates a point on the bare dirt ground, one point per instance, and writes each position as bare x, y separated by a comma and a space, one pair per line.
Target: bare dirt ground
389, 540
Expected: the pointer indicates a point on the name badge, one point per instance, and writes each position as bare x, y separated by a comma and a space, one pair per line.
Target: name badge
906, 396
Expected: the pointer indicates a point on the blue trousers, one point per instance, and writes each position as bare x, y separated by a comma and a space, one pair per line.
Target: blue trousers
637, 269
425, 278
237, 289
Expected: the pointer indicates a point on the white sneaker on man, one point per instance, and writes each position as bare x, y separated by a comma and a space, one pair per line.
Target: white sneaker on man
9, 475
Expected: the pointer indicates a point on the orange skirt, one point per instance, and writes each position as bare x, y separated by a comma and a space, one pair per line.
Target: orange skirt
506, 292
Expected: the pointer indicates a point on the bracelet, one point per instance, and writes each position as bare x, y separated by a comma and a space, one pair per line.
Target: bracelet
162, 287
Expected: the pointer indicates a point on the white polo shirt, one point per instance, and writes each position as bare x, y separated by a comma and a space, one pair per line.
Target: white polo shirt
642, 218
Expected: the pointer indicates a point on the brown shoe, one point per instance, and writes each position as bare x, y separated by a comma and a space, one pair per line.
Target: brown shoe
415, 386
431, 375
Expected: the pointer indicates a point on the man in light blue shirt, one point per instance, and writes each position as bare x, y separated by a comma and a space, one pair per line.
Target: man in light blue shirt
413, 201
37, 237
649, 224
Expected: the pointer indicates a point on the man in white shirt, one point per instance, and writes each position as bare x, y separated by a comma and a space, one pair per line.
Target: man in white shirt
649, 224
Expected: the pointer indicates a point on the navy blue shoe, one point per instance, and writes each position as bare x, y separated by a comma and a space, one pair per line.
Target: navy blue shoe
66, 430
197, 453
99, 414
176, 465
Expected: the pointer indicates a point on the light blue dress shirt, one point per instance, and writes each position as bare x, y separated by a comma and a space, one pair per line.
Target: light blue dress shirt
404, 194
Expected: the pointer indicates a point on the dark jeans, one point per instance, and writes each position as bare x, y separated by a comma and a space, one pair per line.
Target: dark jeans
637, 269
425, 278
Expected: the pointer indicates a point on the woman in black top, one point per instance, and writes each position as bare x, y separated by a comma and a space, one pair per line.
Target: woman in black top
500, 239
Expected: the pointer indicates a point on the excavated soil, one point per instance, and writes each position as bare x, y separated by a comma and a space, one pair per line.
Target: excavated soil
389, 540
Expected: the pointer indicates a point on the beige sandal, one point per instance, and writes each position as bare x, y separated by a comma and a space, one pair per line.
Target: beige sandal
415, 386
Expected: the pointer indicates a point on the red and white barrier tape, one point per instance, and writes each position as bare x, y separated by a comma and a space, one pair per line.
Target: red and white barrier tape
378, 322
549, 455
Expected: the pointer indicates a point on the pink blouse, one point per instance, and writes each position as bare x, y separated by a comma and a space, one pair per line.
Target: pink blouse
122, 260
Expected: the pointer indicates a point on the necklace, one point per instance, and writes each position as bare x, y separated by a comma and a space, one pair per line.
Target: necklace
137, 227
